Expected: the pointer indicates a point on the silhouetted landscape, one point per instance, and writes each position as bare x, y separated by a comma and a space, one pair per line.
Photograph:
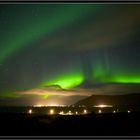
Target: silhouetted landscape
121, 124
83, 118
116, 100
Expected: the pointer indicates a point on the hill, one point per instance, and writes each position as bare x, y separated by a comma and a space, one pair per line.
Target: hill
128, 99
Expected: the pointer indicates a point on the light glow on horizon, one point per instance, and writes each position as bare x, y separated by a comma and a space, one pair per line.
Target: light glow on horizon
102, 106
56, 105
39, 105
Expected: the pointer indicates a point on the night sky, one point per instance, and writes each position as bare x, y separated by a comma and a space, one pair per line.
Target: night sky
60, 53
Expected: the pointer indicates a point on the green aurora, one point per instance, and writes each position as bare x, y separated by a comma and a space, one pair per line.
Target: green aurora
27, 30
25, 25
66, 81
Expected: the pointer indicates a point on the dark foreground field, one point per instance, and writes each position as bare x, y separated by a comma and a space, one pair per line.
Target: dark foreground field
94, 125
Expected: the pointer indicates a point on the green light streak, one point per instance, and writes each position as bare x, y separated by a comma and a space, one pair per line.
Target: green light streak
66, 81
101, 75
127, 79
35, 29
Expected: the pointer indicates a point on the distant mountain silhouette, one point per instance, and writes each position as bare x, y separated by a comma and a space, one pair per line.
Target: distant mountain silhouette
128, 99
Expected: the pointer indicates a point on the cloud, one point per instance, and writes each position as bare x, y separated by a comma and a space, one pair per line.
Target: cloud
53, 90
106, 89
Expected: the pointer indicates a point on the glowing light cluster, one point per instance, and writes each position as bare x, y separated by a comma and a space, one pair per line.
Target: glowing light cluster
39, 105
69, 112
61, 113
102, 106
72, 113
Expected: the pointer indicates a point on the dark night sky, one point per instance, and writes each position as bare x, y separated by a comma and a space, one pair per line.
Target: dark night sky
61, 53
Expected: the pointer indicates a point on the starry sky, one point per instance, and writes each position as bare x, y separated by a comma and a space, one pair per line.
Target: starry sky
61, 53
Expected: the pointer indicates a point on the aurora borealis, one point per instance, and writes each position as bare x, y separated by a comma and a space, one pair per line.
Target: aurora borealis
51, 52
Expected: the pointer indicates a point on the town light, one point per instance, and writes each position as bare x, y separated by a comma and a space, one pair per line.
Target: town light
30, 111
51, 111
76, 112
61, 113
128, 111
85, 111
114, 111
